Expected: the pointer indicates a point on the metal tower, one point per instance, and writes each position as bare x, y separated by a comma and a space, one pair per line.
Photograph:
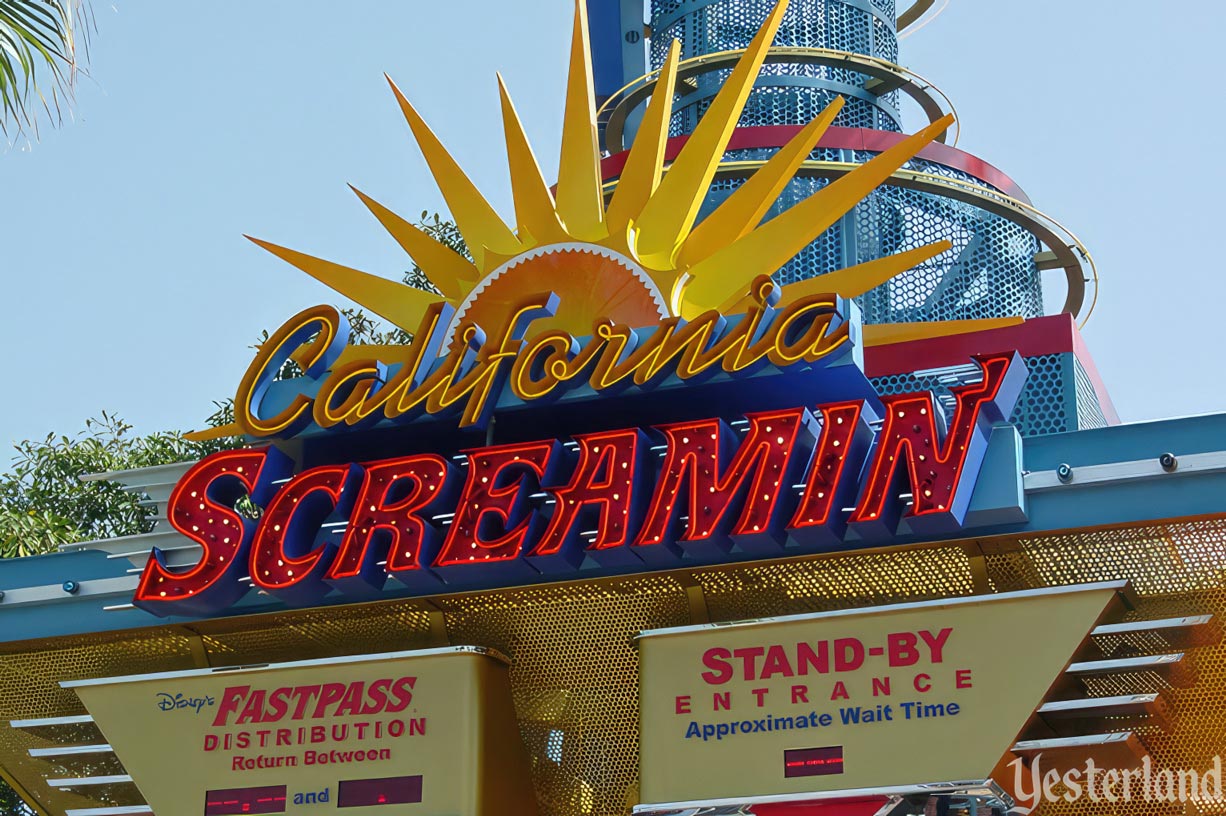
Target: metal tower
1002, 245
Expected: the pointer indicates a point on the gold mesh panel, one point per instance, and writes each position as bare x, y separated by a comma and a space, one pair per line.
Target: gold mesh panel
1177, 570
574, 672
575, 668
871, 579
325, 632
29, 689
1161, 560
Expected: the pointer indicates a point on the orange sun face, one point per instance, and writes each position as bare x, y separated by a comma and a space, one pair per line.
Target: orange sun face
590, 281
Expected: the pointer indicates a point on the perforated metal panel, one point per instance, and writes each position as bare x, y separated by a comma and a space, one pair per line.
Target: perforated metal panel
989, 273
1089, 409
574, 674
1177, 570
825, 254
1058, 396
342, 630
29, 689
1043, 407
1040, 409
575, 669
866, 580
787, 94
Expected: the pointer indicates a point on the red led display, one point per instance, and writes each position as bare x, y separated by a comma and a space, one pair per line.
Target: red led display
393, 790
813, 762
233, 801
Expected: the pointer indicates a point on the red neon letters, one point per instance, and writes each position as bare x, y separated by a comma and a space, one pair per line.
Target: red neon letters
285, 559
388, 523
603, 482
494, 498
331, 527
908, 444
845, 436
696, 455
202, 509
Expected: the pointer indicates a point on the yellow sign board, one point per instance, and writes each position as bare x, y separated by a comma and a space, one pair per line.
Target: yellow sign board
430, 733
852, 700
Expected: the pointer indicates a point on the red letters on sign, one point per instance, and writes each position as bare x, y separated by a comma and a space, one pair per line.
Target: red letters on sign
772, 486
388, 522
908, 447
697, 454
201, 508
285, 559
603, 481
844, 439
491, 522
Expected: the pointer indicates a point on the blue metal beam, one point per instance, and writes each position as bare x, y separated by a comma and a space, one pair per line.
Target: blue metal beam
1115, 479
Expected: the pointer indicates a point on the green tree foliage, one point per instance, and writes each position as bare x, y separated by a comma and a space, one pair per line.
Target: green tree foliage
39, 41
44, 503
445, 232
38, 63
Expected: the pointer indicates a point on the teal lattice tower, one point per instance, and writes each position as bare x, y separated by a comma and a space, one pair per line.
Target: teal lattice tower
1002, 245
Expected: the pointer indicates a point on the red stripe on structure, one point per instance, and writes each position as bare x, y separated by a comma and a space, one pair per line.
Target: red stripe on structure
1055, 334
844, 807
1042, 335
837, 138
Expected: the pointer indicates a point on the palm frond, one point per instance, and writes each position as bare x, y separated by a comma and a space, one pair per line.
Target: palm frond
41, 43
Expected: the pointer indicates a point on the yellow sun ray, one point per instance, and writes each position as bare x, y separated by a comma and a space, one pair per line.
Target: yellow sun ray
220, 432
851, 282
645, 165
477, 221
646, 257
742, 211
670, 214
580, 184
388, 354
535, 210
398, 303
447, 269
885, 334
776, 242
855, 281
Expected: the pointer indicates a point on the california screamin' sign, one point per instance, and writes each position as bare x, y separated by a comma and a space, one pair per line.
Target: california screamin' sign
780, 481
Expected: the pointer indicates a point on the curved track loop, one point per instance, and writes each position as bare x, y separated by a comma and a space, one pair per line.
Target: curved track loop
884, 77
908, 24
1068, 250
912, 15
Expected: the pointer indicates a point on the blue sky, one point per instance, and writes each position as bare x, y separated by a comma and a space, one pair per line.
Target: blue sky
127, 285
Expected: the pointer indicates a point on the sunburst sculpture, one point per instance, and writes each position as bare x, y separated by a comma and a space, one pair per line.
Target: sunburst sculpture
641, 255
